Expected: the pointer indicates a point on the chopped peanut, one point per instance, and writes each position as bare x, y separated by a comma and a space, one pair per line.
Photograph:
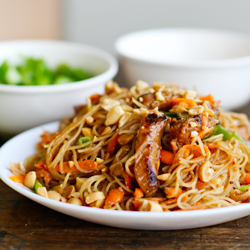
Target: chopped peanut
114, 115
125, 139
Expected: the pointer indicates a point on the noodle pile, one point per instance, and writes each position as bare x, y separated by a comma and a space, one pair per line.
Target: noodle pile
102, 155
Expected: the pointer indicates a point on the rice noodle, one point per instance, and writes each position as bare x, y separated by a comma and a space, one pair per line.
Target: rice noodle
228, 160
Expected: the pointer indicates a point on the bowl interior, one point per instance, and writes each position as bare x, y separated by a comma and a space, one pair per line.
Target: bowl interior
54, 53
29, 106
183, 45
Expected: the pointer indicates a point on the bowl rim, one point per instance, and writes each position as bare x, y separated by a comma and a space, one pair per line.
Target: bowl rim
91, 82
215, 63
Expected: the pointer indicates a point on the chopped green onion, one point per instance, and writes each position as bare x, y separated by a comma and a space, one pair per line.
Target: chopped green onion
237, 136
226, 134
3, 70
83, 140
33, 71
244, 187
63, 79
37, 185
12, 76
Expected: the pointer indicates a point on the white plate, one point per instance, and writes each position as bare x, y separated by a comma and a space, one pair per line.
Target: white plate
23, 145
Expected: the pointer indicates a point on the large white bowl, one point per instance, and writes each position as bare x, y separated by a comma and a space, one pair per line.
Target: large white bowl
213, 61
23, 107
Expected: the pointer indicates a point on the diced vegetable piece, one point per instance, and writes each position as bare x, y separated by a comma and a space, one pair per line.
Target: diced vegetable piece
84, 165
40, 165
63, 79
167, 157
37, 185
190, 102
247, 178
204, 132
17, 178
48, 137
204, 120
170, 192
138, 193
209, 98
3, 69
226, 134
83, 140
45, 174
237, 136
115, 196
128, 182
244, 187
35, 71
12, 76
112, 145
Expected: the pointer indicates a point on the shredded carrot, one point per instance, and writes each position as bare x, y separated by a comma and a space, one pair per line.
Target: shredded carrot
169, 191
190, 103
40, 165
247, 178
204, 120
128, 182
84, 165
17, 178
204, 132
112, 145
45, 174
184, 198
47, 137
185, 151
136, 204
196, 148
115, 196
39, 145
212, 146
209, 98
182, 153
200, 184
167, 157
138, 193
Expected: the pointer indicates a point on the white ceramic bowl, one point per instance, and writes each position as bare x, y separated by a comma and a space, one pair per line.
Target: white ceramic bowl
23, 107
213, 61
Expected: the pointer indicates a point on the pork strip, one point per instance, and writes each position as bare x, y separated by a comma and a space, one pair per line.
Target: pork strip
147, 161
149, 100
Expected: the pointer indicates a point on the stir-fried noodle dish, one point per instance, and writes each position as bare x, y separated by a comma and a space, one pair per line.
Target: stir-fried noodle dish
147, 148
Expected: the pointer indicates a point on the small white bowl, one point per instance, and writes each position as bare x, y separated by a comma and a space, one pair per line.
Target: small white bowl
23, 107
213, 61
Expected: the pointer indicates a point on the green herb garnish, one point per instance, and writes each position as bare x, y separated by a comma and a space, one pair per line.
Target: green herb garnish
83, 140
226, 134
33, 71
